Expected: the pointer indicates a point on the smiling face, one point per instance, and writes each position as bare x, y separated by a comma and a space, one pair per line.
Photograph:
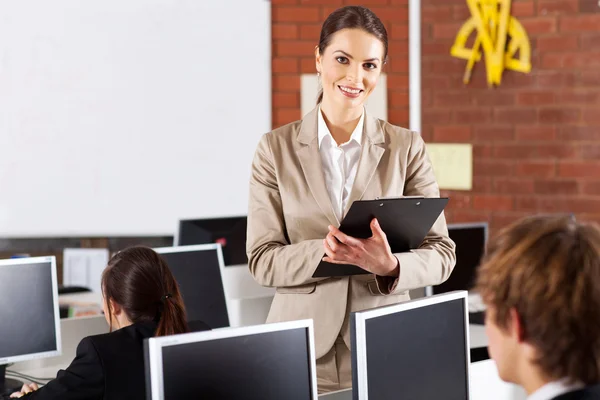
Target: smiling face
350, 67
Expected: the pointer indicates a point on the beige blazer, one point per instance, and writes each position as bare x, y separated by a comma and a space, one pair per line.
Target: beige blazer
289, 211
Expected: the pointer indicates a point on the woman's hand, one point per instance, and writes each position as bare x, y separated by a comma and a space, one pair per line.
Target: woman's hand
372, 254
27, 388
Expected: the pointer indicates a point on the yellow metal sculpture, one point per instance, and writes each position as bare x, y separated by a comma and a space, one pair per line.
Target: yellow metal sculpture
503, 39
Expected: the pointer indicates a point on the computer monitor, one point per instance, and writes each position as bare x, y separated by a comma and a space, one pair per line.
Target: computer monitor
229, 232
30, 327
471, 241
268, 362
417, 350
198, 271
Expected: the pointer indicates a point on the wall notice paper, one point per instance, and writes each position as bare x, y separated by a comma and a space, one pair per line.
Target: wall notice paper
84, 267
376, 104
452, 165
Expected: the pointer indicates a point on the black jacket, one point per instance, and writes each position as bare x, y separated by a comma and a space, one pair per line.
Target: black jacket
587, 393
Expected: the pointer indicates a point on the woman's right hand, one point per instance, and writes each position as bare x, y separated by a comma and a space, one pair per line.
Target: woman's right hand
27, 388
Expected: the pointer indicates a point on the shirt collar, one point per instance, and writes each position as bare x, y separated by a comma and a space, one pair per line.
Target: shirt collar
323, 131
554, 389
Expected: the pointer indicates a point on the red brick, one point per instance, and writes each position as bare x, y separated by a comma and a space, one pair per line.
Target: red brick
541, 169
590, 41
493, 133
398, 117
561, 115
583, 169
590, 77
397, 81
557, 6
460, 200
310, 32
426, 98
286, 83
556, 79
434, 81
286, 100
452, 99
592, 116
536, 133
398, 98
437, 116
581, 96
397, 47
553, 60
570, 187
399, 31
397, 64
286, 115
482, 184
399, 2
463, 216
326, 10
579, 133
473, 116
482, 151
435, 47
587, 6
284, 65
369, 3
590, 151
277, 2
436, 13
296, 14
515, 115
589, 60
389, 13
493, 167
539, 25
308, 65
492, 202
321, 2
513, 186
530, 204
522, 9
591, 187
458, 134
580, 23
535, 98
300, 48
557, 43
517, 80
528, 151
284, 31
495, 98
446, 30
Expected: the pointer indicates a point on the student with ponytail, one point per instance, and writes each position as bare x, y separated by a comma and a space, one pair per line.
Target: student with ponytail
141, 300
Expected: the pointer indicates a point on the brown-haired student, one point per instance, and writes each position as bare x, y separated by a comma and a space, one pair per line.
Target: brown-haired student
541, 283
306, 175
141, 300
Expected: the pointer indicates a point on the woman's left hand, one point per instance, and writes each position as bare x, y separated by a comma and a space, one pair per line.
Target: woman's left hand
27, 388
372, 254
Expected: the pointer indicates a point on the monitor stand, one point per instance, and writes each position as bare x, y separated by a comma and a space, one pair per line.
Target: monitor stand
8, 386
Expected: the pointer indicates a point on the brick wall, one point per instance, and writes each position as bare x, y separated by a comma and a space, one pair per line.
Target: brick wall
536, 137
296, 25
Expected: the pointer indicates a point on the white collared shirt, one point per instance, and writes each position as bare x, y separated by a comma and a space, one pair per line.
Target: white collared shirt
340, 163
554, 389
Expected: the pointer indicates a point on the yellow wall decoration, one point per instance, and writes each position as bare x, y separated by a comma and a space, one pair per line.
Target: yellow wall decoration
504, 40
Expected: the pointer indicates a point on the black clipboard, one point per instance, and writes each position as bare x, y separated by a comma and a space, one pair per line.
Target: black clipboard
405, 221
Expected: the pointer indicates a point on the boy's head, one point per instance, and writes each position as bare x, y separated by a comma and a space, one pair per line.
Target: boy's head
540, 280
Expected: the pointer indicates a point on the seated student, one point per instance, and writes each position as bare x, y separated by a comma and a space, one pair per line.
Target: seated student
540, 281
141, 300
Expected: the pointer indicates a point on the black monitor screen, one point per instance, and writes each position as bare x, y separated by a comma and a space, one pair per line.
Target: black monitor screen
26, 309
470, 248
418, 354
265, 366
229, 232
198, 275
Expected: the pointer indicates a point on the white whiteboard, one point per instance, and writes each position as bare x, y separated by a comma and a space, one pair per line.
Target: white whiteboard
121, 117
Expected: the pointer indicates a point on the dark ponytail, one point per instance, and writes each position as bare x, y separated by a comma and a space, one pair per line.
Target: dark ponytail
352, 17
140, 281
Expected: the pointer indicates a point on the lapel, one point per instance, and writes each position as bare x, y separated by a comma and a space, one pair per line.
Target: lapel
373, 141
310, 160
